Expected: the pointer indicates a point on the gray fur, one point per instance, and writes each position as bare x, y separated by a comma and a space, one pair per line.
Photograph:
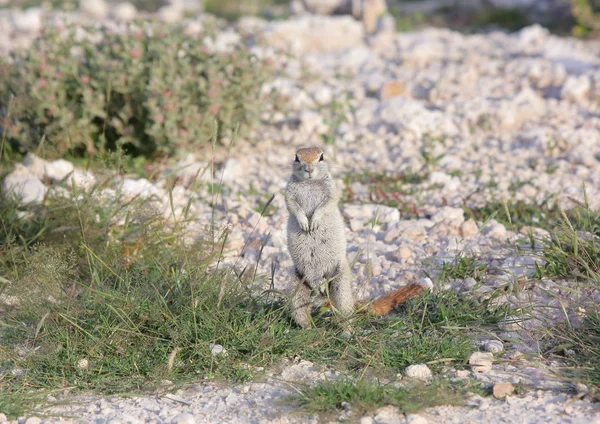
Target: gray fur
316, 240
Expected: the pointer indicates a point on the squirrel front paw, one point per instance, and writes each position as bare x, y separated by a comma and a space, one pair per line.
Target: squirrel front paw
315, 222
303, 222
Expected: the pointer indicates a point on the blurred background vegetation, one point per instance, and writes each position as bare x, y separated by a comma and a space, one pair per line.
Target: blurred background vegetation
152, 93
580, 17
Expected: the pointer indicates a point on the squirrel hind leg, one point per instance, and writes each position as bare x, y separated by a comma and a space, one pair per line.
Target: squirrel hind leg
301, 304
340, 292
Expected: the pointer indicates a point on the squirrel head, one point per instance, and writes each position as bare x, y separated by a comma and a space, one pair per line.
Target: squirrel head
309, 164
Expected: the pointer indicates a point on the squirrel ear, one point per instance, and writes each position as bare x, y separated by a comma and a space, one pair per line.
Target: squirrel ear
297, 159
321, 158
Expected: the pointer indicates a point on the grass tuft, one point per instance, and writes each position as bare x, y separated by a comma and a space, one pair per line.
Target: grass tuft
112, 298
364, 396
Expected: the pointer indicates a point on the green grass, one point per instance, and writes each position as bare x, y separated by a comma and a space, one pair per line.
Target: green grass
141, 306
462, 267
516, 214
388, 189
364, 396
571, 256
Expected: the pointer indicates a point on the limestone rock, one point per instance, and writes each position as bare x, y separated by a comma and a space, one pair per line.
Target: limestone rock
58, 170
140, 187
418, 371
24, 186
94, 8
468, 228
493, 346
371, 11
502, 390
412, 116
184, 418
391, 89
29, 20
481, 361
217, 350
576, 88
35, 165
306, 34
415, 419
124, 12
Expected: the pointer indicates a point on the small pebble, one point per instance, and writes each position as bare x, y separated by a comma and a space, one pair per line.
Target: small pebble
183, 419
481, 361
493, 346
418, 371
416, 419
501, 390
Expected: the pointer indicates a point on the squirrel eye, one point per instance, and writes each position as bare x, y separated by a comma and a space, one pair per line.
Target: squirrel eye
297, 159
321, 158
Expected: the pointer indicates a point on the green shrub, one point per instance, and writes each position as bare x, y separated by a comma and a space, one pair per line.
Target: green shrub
149, 90
587, 16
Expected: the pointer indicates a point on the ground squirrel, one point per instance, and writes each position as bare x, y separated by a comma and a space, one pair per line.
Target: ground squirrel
317, 244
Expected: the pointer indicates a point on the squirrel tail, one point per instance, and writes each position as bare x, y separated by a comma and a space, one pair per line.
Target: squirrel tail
385, 304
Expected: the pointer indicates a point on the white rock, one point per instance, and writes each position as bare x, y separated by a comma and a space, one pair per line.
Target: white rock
388, 415
418, 371
449, 214
81, 179
403, 253
124, 12
314, 33
35, 165
383, 214
495, 230
369, 12
140, 187
183, 419
493, 346
481, 361
224, 42
312, 122
501, 390
3, 418
426, 282
232, 170
463, 374
415, 419
28, 188
576, 88
386, 24
33, 420
449, 182
83, 364
58, 170
513, 112
29, 20
217, 350
533, 35
171, 13
468, 228
412, 116
413, 229
94, 8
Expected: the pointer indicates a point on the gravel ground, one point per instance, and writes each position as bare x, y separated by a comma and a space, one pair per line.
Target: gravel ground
476, 118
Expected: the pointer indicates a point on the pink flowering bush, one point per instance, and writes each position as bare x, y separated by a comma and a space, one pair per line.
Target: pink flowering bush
148, 89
